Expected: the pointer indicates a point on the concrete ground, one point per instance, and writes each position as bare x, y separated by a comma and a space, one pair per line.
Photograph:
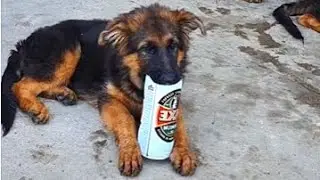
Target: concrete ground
252, 99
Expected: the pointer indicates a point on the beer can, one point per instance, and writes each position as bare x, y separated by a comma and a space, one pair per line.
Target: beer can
158, 119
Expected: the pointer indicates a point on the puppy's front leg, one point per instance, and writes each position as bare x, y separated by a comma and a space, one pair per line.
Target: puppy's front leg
183, 160
118, 120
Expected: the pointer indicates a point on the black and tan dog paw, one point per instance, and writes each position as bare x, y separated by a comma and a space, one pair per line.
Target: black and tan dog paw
41, 116
183, 161
130, 161
67, 98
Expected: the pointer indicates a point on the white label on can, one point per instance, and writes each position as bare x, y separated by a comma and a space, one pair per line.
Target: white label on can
158, 120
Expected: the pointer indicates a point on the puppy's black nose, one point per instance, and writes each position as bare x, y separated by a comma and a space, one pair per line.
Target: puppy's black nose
169, 78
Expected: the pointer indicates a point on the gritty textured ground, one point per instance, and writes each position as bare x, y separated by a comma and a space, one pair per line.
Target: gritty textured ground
252, 99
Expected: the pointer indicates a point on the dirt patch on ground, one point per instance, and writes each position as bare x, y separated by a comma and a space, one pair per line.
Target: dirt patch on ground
223, 11
263, 56
211, 26
205, 10
310, 98
245, 89
264, 39
307, 66
278, 114
25, 178
99, 140
188, 105
43, 154
240, 33
316, 72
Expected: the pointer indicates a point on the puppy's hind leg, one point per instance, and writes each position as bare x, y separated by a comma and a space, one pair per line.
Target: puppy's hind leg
26, 91
58, 86
61, 78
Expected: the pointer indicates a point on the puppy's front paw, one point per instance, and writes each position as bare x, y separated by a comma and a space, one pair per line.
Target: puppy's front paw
183, 161
130, 161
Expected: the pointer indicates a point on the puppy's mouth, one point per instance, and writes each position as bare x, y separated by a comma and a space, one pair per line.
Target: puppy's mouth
164, 77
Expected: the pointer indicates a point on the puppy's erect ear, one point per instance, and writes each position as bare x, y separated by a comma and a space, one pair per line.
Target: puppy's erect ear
189, 22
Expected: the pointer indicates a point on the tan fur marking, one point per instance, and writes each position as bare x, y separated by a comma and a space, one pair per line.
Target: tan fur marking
309, 21
26, 91
168, 15
66, 69
161, 40
123, 98
180, 57
175, 16
135, 22
114, 113
134, 64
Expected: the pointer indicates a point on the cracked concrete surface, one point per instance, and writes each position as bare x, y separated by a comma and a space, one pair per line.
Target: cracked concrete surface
252, 99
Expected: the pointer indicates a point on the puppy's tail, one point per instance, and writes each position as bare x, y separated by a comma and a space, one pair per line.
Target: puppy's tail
282, 14
8, 100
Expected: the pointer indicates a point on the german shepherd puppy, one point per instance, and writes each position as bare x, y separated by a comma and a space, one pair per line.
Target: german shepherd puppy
282, 14
106, 60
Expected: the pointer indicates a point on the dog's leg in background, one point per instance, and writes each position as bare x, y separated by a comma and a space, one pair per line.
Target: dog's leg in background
183, 160
118, 120
310, 21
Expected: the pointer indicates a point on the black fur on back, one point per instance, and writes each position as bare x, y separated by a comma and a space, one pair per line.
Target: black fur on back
42, 51
90, 71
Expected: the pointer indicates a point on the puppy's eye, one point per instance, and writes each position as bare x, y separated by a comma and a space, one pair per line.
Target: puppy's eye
173, 46
148, 49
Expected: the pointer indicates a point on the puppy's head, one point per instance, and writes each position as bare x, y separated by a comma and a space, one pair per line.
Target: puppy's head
152, 40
